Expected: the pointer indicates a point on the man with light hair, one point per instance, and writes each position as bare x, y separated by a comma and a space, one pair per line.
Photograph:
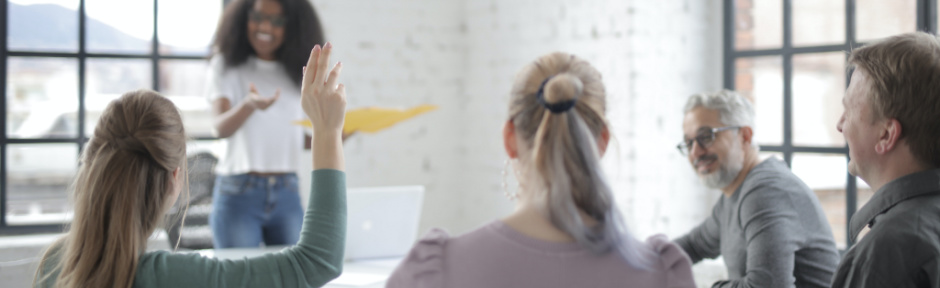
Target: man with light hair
891, 124
768, 225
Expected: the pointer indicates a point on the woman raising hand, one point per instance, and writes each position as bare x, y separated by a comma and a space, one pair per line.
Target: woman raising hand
131, 175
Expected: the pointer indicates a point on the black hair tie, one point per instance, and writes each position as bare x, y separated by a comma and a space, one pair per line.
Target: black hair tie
560, 107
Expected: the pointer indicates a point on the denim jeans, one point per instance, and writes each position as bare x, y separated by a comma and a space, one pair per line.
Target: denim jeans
248, 210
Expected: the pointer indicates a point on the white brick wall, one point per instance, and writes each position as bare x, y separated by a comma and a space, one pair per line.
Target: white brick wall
676, 51
463, 55
404, 53
652, 54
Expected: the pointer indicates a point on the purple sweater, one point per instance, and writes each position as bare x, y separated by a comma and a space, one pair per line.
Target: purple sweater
496, 255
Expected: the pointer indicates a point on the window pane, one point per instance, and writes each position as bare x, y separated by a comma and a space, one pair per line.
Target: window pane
818, 86
108, 79
826, 175
818, 22
37, 178
761, 80
193, 34
119, 26
758, 24
877, 19
42, 97
183, 81
43, 26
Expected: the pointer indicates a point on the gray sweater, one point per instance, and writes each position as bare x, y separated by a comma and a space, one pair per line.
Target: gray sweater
772, 232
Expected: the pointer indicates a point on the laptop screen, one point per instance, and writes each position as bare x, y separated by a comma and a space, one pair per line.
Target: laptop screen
382, 222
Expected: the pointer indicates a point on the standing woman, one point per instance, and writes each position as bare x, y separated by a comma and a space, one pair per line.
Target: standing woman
259, 50
132, 171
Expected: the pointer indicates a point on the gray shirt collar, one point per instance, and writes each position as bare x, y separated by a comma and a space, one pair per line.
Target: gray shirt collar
896, 191
770, 164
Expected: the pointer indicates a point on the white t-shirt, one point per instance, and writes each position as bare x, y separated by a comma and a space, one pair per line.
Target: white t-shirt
268, 141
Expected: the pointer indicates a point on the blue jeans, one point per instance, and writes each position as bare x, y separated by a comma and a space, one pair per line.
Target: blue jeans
248, 210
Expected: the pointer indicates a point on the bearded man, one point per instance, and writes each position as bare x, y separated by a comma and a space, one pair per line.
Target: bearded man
768, 225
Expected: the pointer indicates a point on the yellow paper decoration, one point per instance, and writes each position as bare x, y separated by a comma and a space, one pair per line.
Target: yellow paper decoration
375, 119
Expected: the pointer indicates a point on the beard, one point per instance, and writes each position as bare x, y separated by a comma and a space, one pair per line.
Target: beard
727, 171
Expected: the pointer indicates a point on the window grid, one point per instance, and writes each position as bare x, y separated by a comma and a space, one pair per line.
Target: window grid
926, 21
82, 56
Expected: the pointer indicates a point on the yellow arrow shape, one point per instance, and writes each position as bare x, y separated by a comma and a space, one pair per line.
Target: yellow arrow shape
375, 119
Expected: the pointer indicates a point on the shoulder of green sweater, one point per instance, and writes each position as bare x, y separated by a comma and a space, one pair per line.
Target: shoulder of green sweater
155, 259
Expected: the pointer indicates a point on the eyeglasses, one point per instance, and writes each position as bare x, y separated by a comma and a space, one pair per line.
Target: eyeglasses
704, 139
275, 20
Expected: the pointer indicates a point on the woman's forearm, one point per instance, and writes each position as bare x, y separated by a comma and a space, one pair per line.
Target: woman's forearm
328, 151
229, 119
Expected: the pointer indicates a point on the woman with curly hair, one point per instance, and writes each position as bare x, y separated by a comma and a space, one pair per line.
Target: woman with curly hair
259, 49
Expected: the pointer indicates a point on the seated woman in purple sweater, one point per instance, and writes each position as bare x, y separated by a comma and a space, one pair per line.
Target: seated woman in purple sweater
566, 231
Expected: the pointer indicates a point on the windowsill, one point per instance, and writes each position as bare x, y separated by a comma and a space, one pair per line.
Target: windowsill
20, 241
39, 219
158, 241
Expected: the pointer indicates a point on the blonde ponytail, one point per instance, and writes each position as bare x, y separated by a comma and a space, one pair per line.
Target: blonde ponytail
558, 111
121, 191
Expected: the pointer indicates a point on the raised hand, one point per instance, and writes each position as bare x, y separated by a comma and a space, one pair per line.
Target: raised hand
261, 103
324, 102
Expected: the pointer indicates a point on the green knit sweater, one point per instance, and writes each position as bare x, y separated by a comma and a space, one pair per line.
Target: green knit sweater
315, 260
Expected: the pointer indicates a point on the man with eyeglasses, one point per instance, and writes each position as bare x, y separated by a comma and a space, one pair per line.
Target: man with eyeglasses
768, 225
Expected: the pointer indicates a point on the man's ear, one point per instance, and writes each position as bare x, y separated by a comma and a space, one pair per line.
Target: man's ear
889, 137
509, 140
603, 141
747, 135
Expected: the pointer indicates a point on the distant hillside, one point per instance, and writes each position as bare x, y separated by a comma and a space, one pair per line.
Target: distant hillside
54, 27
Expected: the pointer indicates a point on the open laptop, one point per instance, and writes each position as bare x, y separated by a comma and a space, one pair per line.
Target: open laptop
382, 222
382, 225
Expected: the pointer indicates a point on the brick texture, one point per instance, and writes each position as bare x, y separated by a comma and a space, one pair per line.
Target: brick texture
463, 55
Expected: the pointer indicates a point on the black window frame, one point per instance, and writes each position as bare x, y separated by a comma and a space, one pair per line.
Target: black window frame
81, 56
926, 21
